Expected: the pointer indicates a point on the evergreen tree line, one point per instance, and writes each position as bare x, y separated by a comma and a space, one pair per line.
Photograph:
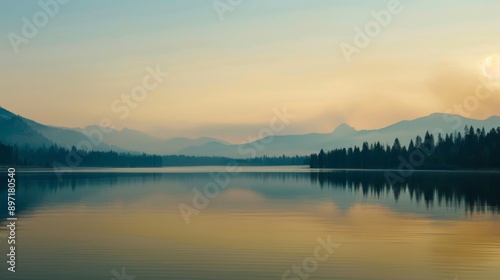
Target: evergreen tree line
47, 156
472, 149
181, 160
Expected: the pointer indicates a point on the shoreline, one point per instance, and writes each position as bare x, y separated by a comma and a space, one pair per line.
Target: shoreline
269, 168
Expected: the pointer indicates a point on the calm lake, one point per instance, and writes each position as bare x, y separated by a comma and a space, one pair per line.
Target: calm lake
263, 223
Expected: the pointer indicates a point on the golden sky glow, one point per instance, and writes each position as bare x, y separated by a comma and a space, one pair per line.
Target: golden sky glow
226, 77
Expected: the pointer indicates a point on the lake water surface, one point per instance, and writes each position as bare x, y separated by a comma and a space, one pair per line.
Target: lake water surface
267, 223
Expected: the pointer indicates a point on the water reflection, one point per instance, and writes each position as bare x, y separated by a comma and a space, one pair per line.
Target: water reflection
470, 191
259, 226
475, 190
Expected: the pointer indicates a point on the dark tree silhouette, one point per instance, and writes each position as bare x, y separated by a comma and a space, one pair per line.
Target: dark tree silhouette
475, 149
57, 156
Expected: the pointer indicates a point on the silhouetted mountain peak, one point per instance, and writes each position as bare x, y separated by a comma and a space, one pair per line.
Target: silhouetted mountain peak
18, 130
5, 114
494, 118
344, 129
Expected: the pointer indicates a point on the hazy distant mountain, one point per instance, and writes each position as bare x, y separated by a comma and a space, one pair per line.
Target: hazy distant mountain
18, 130
13, 130
67, 137
133, 140
5, 115
345, 136
407, 130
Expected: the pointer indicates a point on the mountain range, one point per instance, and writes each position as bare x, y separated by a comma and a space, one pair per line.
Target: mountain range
15, 129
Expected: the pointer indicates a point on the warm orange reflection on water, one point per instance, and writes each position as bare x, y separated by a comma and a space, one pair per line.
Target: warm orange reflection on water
243, 229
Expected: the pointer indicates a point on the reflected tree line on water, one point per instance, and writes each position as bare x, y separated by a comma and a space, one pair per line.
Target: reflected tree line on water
472, 191
475, 191
32, 187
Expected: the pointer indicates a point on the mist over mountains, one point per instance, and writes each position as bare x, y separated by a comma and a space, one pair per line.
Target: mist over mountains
15, 129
